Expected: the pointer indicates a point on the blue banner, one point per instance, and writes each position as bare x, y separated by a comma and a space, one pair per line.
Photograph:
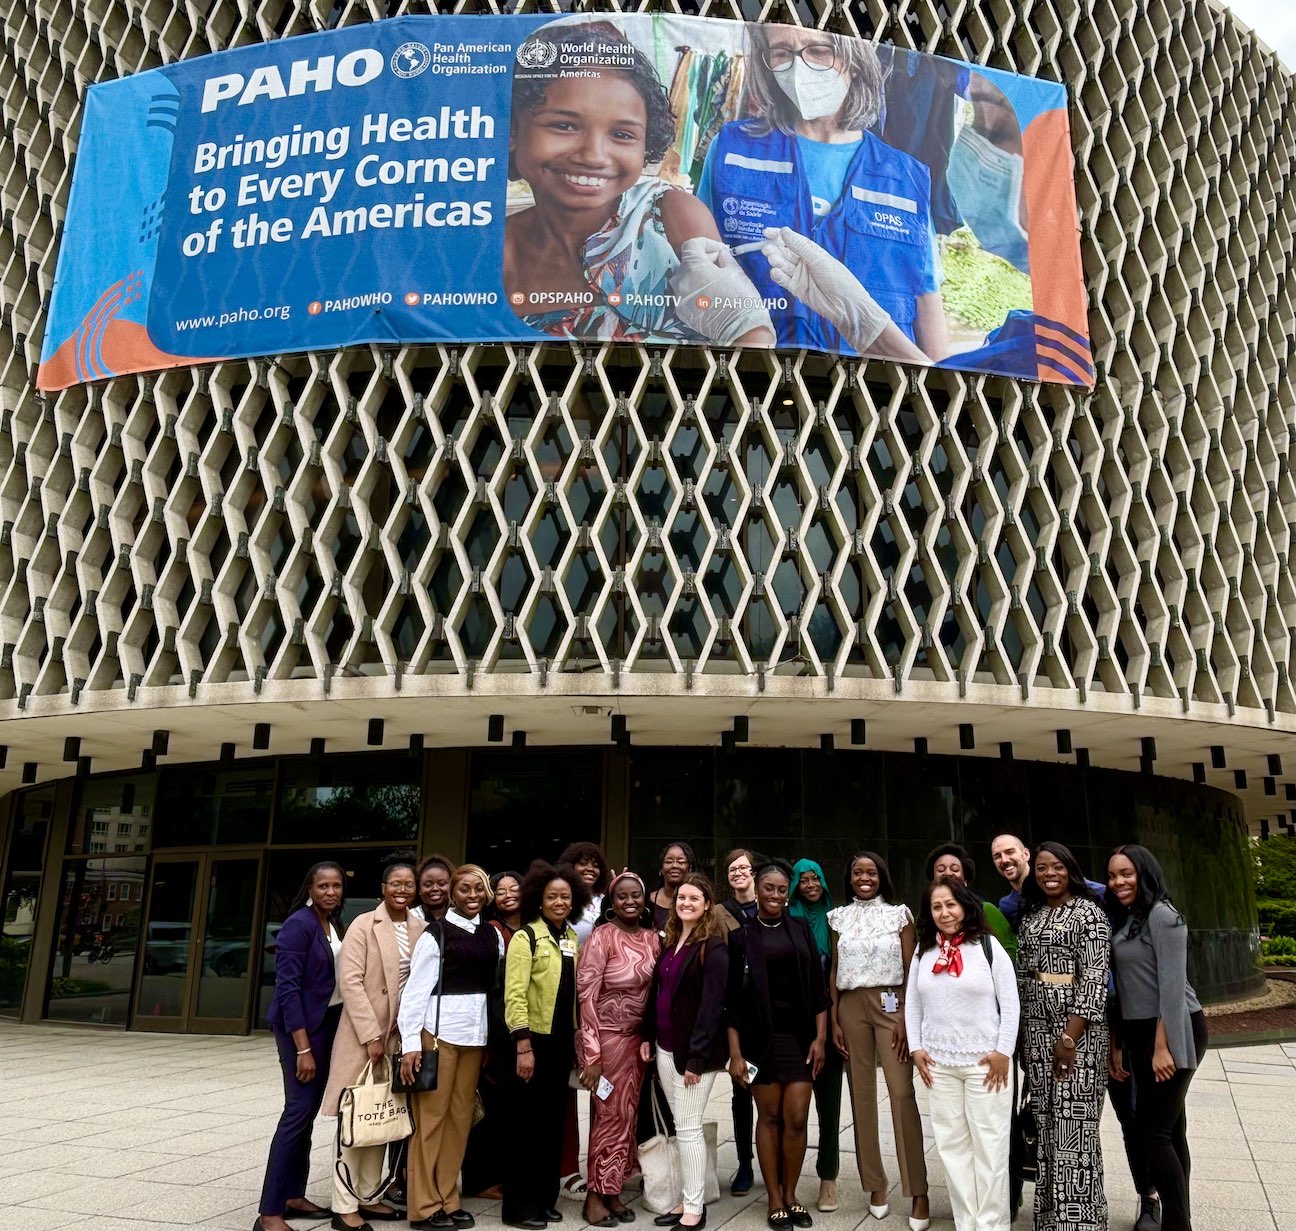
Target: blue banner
636, 178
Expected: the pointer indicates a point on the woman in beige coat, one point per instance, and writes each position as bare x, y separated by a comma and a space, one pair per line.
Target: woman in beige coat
371, 971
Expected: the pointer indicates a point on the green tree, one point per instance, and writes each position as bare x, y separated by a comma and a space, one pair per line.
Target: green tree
1275, 868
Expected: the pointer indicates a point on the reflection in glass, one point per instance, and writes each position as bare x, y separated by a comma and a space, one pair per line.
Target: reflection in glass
113, 816
162, 990
97, 940
21, 890
227, 939
348, 799
212, 807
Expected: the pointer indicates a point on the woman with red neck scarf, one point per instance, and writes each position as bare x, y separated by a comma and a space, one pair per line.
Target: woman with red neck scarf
961, 1011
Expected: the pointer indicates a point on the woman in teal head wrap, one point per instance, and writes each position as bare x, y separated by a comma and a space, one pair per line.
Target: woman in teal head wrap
811, 901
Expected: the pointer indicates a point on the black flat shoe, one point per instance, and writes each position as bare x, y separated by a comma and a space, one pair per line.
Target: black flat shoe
527, 1224
742, 1182
379, 1216
461, 1218
692, 1226
667, 1220
292, 1214
338, 1225
551, 1215
624, 1215
779, 1220
800, 1216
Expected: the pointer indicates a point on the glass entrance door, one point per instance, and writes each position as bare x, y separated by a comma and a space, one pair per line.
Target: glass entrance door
199, 949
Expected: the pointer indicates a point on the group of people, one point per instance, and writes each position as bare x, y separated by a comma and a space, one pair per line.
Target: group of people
576, 976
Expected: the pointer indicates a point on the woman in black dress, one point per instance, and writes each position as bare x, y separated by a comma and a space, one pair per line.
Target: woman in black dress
778, 1023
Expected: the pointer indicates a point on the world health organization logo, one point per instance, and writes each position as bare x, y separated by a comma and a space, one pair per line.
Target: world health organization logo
410, 59
536, 53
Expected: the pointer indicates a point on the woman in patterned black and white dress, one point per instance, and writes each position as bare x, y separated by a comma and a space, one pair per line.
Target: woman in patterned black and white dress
1062, 962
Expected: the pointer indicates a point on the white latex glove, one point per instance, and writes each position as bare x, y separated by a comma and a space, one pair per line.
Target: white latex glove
707, 267
824, 285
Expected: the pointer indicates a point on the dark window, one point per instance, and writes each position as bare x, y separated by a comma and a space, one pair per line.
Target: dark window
210, 807
348, 799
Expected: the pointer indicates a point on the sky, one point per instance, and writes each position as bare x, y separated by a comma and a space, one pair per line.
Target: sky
1274, 21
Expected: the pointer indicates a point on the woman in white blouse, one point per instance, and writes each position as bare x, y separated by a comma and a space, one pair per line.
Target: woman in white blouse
872, 942
961, 1012
452, 970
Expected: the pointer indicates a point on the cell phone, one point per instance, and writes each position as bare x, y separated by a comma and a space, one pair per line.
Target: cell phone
604, 1089
752, 1070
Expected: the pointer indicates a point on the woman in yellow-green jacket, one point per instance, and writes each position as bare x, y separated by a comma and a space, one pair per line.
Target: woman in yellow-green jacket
540, 1012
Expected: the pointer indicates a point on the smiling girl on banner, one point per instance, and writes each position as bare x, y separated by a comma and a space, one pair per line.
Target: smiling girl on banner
606, 252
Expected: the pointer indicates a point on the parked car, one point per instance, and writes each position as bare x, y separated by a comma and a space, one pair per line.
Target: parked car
166, 948
229, 959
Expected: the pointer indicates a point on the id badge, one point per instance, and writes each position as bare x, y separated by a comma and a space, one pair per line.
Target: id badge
567, 947
890, 1002
605, 1088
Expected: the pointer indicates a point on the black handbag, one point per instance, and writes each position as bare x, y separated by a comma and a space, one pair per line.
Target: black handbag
1023, 1147
425, 1079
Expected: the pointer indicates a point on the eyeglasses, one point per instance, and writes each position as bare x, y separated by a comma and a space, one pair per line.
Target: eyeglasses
405, 886
818, 56
740, 867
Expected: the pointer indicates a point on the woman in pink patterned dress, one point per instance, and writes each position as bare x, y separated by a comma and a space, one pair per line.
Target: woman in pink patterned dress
612, 984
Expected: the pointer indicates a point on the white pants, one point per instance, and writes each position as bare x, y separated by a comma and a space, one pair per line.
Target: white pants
972, 1125
365, 1164
687, 1104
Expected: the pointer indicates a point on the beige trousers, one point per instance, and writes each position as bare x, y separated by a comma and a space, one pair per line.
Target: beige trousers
365, 1165
867, 1028
442, 1119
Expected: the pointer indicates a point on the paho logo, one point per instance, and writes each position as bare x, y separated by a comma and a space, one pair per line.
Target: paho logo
410, 59
731, 206
536, 53
304, 77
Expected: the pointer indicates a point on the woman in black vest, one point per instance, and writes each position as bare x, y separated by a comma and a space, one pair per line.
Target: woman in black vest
777, 1006
463, 953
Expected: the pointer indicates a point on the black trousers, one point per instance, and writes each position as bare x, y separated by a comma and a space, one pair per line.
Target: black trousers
288, 1166
1161, 1121
1121, 1094
744, 1121
532, 1172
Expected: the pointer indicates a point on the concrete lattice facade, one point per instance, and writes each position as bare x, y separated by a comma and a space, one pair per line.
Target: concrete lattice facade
500, 527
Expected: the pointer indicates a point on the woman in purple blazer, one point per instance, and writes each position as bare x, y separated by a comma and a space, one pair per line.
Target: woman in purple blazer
304, 1016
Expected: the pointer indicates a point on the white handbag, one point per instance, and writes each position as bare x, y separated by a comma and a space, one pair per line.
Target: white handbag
369, 1114
659, 1160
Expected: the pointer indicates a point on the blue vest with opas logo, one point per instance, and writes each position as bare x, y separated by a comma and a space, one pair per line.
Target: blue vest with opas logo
880, 228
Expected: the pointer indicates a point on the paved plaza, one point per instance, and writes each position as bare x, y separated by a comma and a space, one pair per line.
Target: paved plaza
137, 1132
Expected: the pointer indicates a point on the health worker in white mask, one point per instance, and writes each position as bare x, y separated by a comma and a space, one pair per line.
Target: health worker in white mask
822, 212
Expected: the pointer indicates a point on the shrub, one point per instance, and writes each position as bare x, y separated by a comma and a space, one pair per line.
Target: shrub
1278, 947
1277, 917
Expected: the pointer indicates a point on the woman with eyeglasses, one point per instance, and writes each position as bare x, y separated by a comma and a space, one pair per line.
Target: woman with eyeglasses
677, 862
820, 211
372, 969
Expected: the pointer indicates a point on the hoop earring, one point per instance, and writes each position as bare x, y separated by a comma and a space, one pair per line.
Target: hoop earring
610, 914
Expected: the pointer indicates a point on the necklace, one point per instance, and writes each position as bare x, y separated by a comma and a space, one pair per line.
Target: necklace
777, 922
